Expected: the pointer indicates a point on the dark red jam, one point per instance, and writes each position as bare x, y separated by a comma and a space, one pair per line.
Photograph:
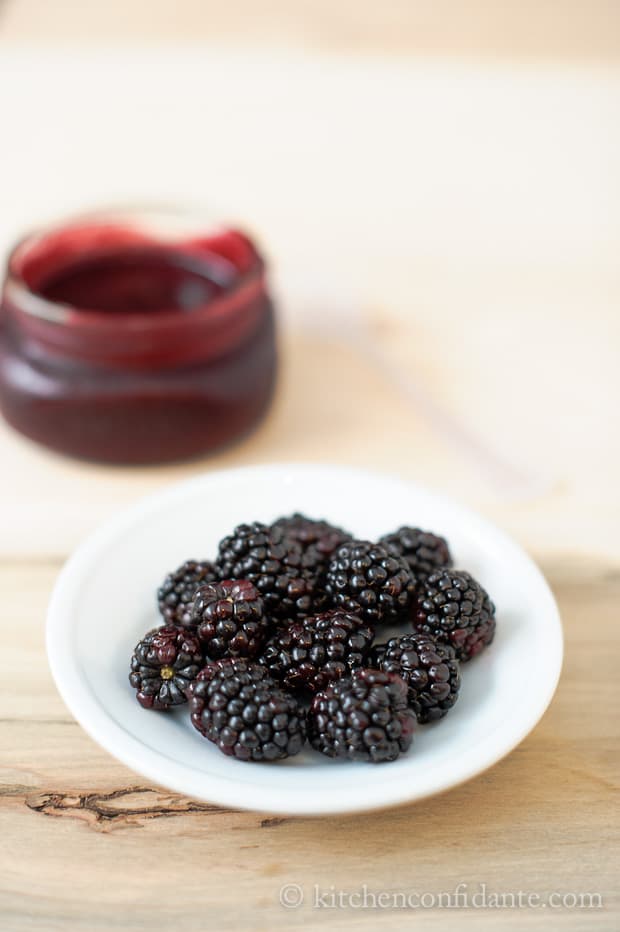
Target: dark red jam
123, 344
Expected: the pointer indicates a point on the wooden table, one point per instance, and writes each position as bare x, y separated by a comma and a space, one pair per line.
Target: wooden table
483, 262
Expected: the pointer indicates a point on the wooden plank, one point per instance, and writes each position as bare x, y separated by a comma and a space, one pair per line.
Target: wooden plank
87, 844
533, 29
483, 270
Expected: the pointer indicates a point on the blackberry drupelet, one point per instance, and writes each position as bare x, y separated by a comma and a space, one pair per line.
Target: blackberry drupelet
231, 618
322, 648
176, 594
163, 665
451, 606
423, 551
236, 705
367, 580
275, 565
363, 717
428, 667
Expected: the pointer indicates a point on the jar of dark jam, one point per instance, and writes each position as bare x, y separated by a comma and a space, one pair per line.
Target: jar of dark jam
136, 337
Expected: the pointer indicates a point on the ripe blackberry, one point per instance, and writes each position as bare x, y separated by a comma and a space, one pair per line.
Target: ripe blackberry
176, 594
424, 552
311, 534
428, 667
318, 540
363, 717
313, 652
236, 705
367, 580
451, 606
231, 618
275, 565
163, 665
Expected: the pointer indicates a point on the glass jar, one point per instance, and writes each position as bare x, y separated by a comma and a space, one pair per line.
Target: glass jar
136, 337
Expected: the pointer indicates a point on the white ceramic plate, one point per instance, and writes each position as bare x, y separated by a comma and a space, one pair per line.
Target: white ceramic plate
104, 601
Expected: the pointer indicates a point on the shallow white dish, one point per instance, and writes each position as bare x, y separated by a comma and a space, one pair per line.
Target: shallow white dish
104, 601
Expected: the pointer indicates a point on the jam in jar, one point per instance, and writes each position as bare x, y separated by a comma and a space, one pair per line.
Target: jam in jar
136, 337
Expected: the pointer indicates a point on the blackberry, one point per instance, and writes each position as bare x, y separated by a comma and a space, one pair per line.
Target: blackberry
236, 705
313, 535
451, 606
313, 652
176, 593
231, 618
423, 551
275, 565
428, 667
318, 540
367, 580
163, 665
363, 717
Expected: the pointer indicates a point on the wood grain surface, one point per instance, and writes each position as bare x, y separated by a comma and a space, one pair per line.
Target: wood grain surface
444, 241
87, 844
529, 29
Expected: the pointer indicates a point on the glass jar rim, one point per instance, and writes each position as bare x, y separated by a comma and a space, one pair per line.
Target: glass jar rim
28, 301
96, 334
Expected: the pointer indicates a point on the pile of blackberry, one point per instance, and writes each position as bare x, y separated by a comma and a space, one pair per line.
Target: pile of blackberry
274, 641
